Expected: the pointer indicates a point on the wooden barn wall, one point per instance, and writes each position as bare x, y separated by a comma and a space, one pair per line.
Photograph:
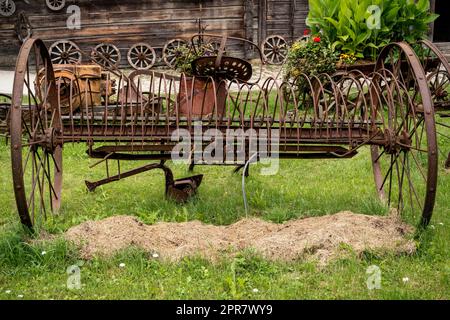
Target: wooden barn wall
286, 18
125, 23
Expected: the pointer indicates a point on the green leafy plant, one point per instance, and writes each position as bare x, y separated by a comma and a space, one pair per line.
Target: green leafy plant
311, 57
186, 55
362, 27
413, 20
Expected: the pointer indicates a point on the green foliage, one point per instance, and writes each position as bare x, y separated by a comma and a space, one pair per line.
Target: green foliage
186, 55
310, 57
351, 25
184, 59
413, 20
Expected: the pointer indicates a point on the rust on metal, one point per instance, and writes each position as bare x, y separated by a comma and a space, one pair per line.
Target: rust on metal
139, 117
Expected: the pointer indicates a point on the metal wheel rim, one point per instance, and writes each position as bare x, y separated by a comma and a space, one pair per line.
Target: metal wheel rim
420, 119
141, 56
26, 203
439, 84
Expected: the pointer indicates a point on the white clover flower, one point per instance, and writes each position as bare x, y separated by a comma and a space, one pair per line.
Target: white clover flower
43, 253
20, 296
405, 279
122, 265
8, 291
255, 290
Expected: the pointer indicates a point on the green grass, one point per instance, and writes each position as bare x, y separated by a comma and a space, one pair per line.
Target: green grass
302, 188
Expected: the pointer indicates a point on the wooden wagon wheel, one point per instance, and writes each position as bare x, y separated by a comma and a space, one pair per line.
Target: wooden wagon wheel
65, 52
107, 55
437, 69
213, 48
405, 168
55, 5
275, 50
141, 56
7, 8
35, 127
24, 30
172, 50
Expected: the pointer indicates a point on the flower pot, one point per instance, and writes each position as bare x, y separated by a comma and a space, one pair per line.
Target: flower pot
201, 97
364, 66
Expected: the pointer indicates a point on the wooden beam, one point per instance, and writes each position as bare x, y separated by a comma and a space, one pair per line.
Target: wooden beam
262, 34
248, 23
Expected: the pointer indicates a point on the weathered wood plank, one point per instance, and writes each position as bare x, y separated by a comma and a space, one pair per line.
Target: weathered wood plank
126, 22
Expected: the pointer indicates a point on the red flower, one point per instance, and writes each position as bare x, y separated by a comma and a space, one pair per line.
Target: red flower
306, 32
316, 39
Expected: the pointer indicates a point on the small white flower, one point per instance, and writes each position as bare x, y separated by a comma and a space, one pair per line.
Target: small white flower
43, 253
255, 290
8, 291
405, 279
20, 296
155, 255
441, 224
122, 265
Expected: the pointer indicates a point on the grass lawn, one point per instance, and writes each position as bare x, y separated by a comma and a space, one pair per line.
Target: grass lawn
302, 188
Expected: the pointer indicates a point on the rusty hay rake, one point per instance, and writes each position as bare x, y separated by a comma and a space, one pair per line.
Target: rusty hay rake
136, 117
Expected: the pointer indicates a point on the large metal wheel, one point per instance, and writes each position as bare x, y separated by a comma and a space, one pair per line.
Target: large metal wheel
437, 69
107, 55
55, 5
275, 50
65, 52
35, 128
405, 168
172, 50
7, 8
141, 56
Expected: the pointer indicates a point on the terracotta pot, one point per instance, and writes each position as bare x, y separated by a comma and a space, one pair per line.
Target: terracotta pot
199, 98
